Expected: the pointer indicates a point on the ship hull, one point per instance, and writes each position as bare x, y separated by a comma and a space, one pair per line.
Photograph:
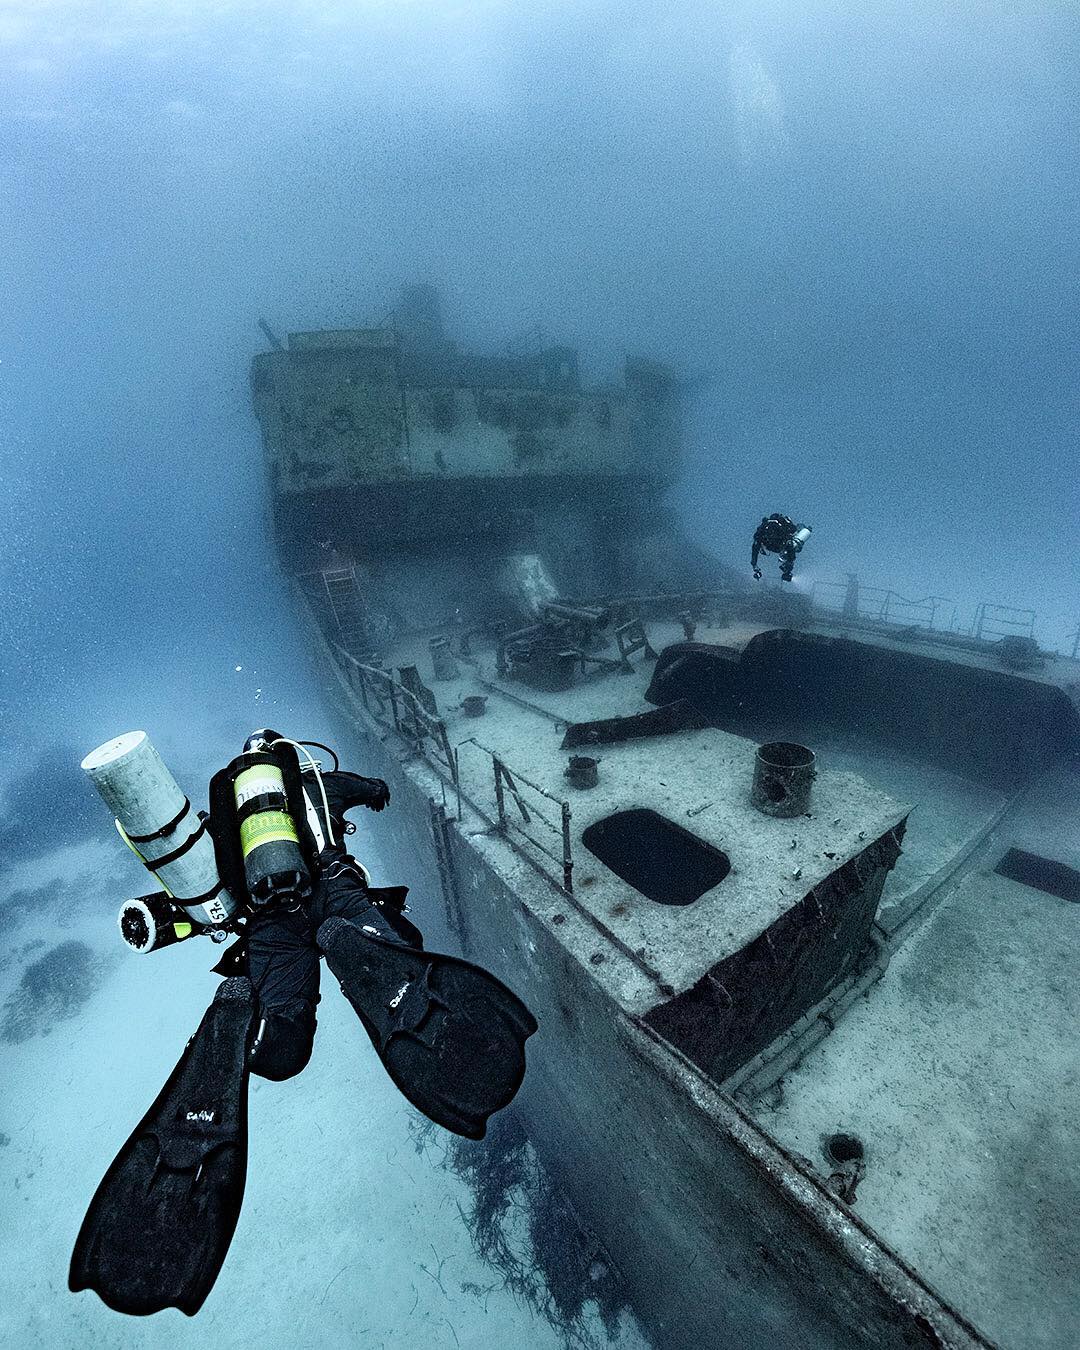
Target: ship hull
720, 1236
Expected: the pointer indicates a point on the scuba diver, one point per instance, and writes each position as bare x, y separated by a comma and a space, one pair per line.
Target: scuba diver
779, 534
268, 865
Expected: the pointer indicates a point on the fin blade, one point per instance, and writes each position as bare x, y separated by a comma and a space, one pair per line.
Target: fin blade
159, 1226
454, 1041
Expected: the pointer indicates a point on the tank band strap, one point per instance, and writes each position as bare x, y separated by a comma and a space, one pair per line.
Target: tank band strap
189, 901
166, 829
155, 864
265, 801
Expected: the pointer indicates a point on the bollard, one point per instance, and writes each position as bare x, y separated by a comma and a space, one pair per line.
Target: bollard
582, 771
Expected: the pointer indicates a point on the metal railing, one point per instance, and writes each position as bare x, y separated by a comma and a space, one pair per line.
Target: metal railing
998, 621
836, 602
388, 701
507, 785
878, 604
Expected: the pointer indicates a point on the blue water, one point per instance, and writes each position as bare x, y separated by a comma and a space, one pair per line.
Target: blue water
852, 227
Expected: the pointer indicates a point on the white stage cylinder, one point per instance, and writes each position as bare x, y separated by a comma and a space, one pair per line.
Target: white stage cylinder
156, 816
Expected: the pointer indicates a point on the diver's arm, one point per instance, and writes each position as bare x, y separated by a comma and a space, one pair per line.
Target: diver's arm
346, 790
755, 551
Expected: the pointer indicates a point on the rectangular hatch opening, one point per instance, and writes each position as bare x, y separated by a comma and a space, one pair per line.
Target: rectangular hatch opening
657, 857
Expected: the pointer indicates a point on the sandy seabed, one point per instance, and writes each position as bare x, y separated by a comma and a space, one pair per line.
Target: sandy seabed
350, 1235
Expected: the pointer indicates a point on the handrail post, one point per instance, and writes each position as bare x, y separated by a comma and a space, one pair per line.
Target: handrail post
418, 729
363, 688
451, 758
568, 860
500, 800
410, 723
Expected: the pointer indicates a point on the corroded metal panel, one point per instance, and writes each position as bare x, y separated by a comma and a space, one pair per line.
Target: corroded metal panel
755, 994
350, 408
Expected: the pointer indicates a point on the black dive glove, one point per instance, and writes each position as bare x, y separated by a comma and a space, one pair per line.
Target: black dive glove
346, 790
380, 794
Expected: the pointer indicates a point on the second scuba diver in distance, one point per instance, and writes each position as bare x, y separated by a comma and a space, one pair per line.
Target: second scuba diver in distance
449, 1034
779, 534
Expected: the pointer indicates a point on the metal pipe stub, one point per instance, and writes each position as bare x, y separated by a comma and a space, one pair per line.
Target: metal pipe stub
783, 776
582, 771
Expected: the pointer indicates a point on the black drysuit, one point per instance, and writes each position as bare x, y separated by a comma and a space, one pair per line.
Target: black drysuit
776, 534
279, 945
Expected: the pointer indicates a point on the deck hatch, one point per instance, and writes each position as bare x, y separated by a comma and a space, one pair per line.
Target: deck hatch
1044, 874
663, 861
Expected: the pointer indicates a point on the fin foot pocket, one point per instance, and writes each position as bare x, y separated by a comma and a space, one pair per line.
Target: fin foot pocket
160, 1223
450, 1035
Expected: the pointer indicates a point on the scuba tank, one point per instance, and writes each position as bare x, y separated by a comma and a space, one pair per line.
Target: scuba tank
265, 845
274, 868
801, 535
158, 823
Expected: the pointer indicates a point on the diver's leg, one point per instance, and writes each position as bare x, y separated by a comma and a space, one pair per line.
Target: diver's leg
283, 965
344, 894
787, 562
451, 1036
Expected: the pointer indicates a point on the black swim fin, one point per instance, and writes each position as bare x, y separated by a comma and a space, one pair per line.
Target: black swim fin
159, 1225
451, 1036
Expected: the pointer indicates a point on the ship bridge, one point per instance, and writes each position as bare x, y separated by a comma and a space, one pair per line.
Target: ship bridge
392, 438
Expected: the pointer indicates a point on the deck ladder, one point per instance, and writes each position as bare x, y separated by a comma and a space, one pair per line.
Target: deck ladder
343, 595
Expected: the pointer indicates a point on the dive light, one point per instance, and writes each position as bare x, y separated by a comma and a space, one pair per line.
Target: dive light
150, 922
